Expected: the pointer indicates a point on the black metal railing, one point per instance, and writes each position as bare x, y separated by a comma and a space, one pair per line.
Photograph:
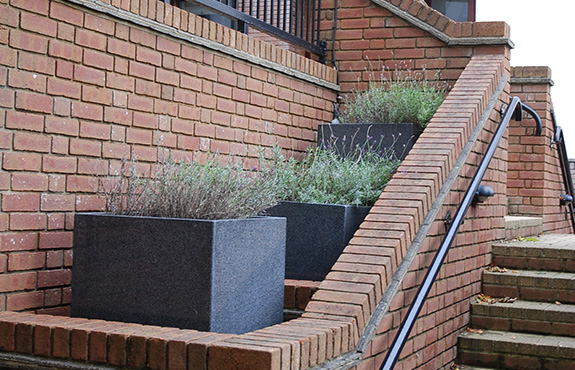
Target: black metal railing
296, 21
559, 140
515, 111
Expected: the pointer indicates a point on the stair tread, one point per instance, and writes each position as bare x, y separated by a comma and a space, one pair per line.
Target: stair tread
521, 343
548, 245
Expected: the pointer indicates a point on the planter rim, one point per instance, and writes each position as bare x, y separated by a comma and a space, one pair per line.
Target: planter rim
369, 123
249, 219
324, 204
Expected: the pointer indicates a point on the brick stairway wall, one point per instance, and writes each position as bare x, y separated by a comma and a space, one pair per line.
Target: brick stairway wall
446, 311
535, 182
80, 89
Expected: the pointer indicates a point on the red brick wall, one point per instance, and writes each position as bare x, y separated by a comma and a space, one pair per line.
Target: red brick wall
370, 38
535, 179
79, 90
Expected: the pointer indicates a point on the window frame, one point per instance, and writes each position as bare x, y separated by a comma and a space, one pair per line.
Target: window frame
470, 9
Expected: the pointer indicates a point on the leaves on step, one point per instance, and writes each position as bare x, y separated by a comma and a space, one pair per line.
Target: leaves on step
477, 331
455, 366
493, 268
523, 239
482, 298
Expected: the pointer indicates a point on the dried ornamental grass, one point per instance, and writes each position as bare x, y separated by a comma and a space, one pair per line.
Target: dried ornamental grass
209, 191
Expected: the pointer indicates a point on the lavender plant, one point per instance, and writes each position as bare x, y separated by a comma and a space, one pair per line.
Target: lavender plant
209, 190
411, 98
324, 176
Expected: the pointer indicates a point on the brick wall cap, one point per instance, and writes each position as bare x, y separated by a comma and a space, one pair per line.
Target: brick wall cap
531, 75
303, 71
446, 29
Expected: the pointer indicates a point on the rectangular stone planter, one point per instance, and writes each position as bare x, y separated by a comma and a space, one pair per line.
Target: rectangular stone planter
395, 139
224, 276
316, 235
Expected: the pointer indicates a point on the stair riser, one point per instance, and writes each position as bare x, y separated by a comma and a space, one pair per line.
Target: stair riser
538, 264
523, 326
530, 293
513, 362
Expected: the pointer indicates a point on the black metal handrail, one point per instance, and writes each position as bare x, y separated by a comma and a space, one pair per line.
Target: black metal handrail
559, 140
515, 111
296, 21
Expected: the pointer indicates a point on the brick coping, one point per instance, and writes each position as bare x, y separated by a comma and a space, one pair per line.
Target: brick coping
445, 29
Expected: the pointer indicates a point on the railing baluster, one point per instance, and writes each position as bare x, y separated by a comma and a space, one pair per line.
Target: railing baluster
309, 15
286, 15
296, 16
318, 5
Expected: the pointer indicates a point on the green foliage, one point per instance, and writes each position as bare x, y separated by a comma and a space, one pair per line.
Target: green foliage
208, 191
323, 176
400, 100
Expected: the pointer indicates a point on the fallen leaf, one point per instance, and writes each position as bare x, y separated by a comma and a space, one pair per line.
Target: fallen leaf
471, 330
480, 298
493, 268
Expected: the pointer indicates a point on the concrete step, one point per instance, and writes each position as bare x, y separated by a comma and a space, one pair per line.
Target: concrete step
552, 252
516, 351
524, 316
519, 226
542, 286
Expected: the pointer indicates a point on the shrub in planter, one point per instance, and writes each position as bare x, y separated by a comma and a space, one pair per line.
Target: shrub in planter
184, 248
389, 115
325, 198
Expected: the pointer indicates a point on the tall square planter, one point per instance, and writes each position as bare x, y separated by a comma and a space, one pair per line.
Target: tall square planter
224, 276
316, 235
395, 139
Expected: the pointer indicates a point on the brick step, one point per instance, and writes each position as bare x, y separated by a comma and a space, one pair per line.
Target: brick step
516, 351
525, 316
543, 286
519, 226
553, 252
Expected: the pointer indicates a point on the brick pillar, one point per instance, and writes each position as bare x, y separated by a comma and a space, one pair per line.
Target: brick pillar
534, 178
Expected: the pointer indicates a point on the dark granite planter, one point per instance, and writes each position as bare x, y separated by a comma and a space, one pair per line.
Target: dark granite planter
316, 235
393, 138
224, 276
